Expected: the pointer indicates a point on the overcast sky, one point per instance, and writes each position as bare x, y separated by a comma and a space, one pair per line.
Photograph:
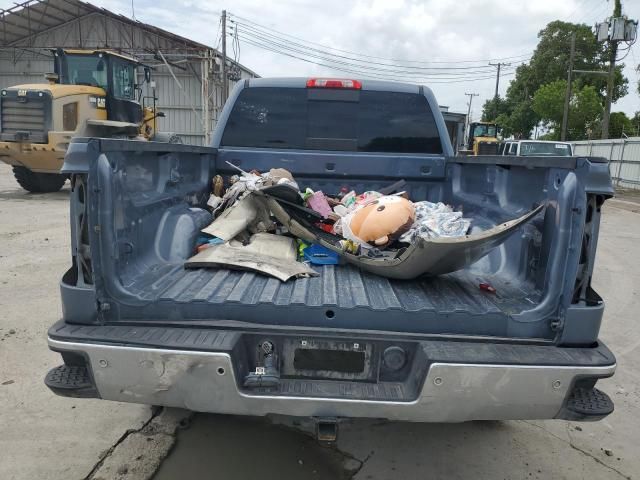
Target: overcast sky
412, 30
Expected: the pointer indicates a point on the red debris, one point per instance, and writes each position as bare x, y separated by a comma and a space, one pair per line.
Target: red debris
487, 287
324, 226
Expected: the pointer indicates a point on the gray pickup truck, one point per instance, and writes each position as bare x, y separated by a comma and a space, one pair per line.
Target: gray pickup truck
139, 327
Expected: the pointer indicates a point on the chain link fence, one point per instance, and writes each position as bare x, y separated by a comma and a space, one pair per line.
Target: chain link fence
623, 155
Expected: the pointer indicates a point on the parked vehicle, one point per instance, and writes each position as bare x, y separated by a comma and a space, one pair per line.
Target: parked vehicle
536, 148
138, 327
508, 147
91, 93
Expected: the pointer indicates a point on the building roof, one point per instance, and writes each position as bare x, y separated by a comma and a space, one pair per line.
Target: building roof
30, 18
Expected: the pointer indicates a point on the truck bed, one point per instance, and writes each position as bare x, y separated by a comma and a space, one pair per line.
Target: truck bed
341, 297
134, 229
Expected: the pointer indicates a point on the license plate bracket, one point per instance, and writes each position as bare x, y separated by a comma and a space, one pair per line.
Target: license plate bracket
329, 359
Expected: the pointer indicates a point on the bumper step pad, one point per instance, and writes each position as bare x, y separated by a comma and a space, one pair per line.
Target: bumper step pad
71, 381
588, 404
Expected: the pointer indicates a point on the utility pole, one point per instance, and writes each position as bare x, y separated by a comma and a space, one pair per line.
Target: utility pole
223, 67
567, 96
613, 48
495, 96
470, 95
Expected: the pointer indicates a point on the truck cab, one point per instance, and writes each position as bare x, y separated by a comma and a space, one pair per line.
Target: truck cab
113, 73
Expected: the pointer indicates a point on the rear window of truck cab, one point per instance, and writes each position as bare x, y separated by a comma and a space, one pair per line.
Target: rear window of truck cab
545, 148
332, 119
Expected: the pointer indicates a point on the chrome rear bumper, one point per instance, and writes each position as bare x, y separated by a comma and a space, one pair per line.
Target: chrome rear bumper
206, 382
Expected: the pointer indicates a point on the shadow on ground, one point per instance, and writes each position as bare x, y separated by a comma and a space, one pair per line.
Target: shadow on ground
221, 446
19, 194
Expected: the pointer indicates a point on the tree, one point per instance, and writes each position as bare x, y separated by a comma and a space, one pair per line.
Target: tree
585, 109
548, 102
493, 108
550, 62
619, 123
635, 124
519, 121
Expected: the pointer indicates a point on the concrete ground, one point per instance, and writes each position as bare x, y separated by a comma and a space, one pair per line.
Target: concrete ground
44, 436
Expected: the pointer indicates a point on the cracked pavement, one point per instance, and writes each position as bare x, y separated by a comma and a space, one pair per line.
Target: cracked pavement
45, 436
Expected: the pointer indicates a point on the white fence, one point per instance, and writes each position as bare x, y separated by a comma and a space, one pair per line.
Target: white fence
623, 155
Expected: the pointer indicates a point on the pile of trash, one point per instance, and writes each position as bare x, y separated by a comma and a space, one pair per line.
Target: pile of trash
263, 222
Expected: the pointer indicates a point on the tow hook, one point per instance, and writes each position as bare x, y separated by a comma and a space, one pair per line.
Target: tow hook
326, 429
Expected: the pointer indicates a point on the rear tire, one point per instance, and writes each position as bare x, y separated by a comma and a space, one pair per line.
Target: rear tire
38, 182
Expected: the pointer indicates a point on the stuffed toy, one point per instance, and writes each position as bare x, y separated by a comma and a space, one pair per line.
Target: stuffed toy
383, 220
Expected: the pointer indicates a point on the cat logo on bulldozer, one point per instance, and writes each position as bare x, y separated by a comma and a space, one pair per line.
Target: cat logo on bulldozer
98, 102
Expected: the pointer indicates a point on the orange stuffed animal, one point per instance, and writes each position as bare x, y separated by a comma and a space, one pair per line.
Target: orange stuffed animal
383, 220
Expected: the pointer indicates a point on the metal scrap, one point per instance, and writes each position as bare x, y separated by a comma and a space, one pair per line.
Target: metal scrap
265, 253
425, 256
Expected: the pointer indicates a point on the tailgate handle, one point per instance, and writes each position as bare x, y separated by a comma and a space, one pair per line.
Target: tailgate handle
330, 167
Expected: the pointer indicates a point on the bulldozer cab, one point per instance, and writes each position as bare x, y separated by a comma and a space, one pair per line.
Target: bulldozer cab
93, 93
483, 138
481, 129
110, 71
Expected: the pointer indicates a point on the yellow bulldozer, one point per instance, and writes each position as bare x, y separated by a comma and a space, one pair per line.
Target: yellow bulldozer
91, 93
482, 139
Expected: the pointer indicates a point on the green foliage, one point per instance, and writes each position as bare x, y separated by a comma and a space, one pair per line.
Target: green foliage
550, 63
635, 125
619, 123
550, 136
585, 109
493, 108
516, 120
548, 102
585, 113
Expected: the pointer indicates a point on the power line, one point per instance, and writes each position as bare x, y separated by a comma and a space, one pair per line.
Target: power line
282, 42
581, 4
218, 34
326, 57
636, 66
364, 73
586, 14
480, 61
470, 95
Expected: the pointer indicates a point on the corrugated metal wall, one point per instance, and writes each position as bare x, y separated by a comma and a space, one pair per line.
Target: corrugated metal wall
183, 105
23, 70
623, 155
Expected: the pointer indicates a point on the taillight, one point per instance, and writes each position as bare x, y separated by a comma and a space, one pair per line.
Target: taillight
333, 83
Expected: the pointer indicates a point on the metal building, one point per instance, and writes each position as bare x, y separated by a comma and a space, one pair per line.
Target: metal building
455, 123
187, 76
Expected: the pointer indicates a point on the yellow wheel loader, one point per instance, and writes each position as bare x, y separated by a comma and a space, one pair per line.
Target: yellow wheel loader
92, 93
482, 139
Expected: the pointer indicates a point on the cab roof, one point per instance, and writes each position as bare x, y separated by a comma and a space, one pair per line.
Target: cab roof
112, 53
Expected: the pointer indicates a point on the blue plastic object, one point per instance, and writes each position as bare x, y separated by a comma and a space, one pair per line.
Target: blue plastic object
204, 238
318, 255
